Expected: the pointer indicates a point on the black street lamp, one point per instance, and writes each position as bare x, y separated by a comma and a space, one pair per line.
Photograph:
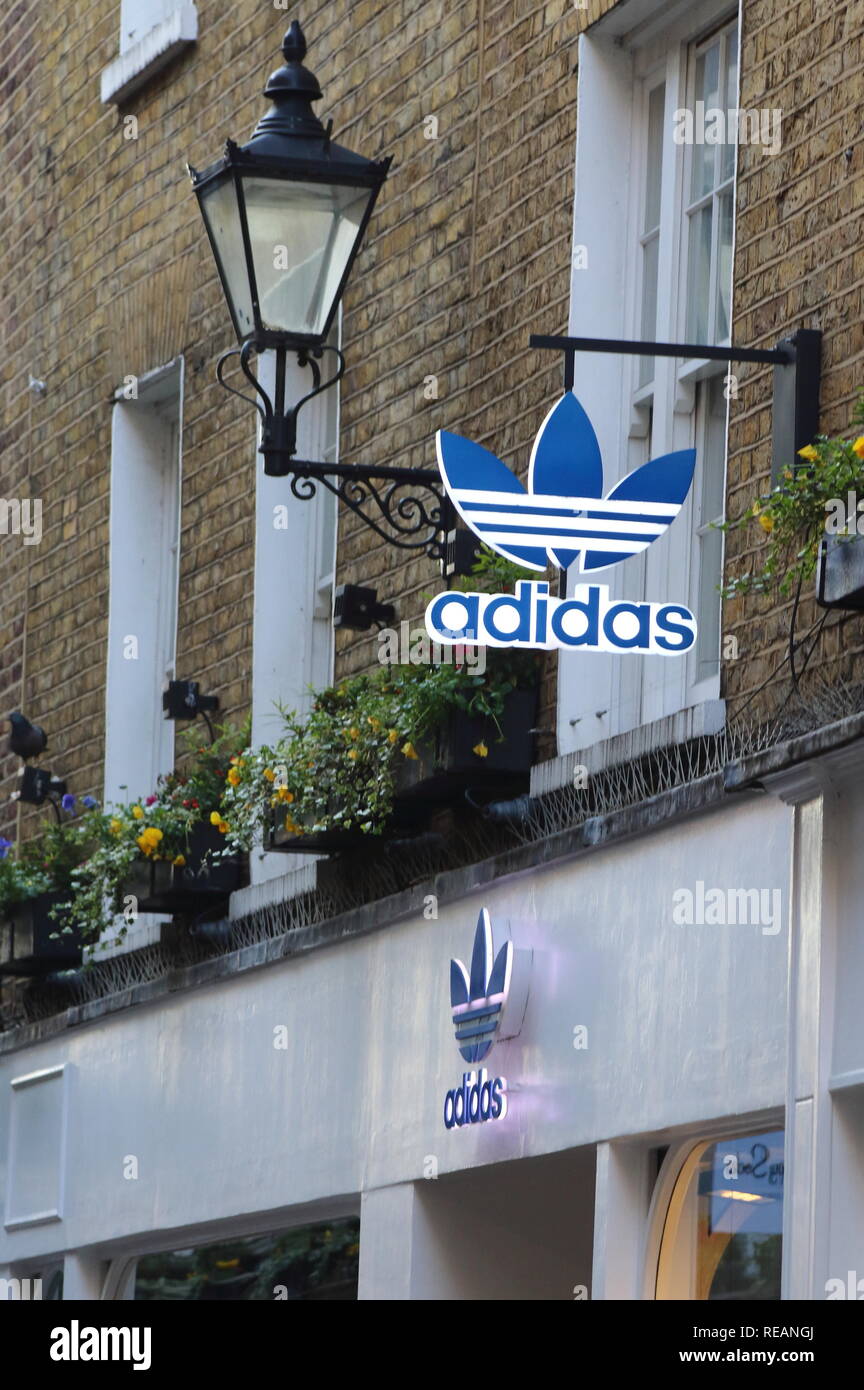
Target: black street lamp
285, 215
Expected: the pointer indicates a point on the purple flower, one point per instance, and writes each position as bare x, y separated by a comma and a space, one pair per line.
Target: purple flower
5, 846
89, 802
68, 802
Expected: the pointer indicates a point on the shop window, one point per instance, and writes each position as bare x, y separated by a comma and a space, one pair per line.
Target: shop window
307, 1264
722, 1237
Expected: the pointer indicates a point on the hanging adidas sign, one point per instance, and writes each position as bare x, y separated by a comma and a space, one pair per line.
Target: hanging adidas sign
564, 520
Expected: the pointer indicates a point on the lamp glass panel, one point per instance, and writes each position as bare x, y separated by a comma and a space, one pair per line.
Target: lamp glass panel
302, 237
222, 216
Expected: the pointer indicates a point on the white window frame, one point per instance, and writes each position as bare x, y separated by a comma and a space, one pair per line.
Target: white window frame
602, 696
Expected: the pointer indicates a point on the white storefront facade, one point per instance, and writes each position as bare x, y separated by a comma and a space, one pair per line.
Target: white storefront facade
304, 1079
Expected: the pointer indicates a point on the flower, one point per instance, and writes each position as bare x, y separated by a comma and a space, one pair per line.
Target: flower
283, 794
68, 802
150, 801
223, 827
408, 750
353, 732
179, 861
809, 453
196, 805
352, 754
375, 723
392, 735
215, 818
480, 749
292, 827
767, 524
89, 802
233, 776
5, 846
115, 826
137, 812
858, 446
148, 840
269, 774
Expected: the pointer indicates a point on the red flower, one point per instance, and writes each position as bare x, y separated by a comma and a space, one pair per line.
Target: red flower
186, 805
196, 806
149, 801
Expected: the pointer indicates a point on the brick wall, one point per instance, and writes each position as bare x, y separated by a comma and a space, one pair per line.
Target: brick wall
798, 264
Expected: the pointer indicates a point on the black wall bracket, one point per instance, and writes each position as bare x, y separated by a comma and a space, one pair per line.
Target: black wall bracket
797, 370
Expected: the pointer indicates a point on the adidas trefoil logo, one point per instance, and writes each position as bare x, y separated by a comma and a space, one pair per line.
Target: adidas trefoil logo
563, 516
478, 999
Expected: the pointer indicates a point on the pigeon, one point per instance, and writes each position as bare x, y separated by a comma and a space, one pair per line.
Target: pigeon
25, 739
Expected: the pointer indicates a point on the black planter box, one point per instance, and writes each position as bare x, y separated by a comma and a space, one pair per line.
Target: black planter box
201, 883
440, 775
26, 947
840, 573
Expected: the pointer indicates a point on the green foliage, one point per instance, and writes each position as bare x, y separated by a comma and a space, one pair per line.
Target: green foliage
335, 768
493, 573
793, 514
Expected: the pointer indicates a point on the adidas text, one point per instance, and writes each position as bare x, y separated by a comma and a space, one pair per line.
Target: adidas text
589, 621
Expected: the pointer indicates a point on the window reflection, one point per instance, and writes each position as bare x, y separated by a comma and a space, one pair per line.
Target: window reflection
723, 1234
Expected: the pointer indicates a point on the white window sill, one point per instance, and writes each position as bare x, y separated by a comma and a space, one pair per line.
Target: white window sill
696, 721
159, 47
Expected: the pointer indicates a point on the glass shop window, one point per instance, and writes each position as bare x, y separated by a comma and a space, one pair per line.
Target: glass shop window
723, 1234
307, 1264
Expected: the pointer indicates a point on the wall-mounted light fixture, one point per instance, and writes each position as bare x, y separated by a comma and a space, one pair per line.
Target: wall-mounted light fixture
183, 700
358, 609
285, 215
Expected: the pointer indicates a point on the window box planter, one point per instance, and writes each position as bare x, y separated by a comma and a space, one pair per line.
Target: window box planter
200, 884
445, 768
840, 573
26, 947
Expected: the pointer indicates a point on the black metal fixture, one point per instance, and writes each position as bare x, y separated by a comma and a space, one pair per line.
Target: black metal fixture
286, 214
358, 609
461, 553
38, 785
797, 368
183, 700
26, 740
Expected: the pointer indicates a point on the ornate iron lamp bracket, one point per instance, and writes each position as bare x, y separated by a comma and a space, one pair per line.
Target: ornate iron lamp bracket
407, 507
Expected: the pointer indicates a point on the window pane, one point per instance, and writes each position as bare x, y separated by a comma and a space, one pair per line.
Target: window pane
650, 254
707, 90
724, 265
727, 156
654, 165
723, 1235
309, 1263
699, 275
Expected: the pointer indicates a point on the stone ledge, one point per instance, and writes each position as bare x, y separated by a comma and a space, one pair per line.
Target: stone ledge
159, 47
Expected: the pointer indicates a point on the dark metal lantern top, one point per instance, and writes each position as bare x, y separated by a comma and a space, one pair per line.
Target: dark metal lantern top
289, 147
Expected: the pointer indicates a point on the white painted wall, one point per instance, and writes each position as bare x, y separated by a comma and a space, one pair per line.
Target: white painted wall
686, 1024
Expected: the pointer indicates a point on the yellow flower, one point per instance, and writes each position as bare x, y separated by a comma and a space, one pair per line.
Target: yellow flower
481, 750
233, 760
138, 812
179, 861
767, 524
408, 750
808, 452
215, 818
283, 794
270, 774
353, 733
223, 827
392, 735
352, 754
149, 839
115, 826
292, 827
858, 446
375, 723
233, 776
